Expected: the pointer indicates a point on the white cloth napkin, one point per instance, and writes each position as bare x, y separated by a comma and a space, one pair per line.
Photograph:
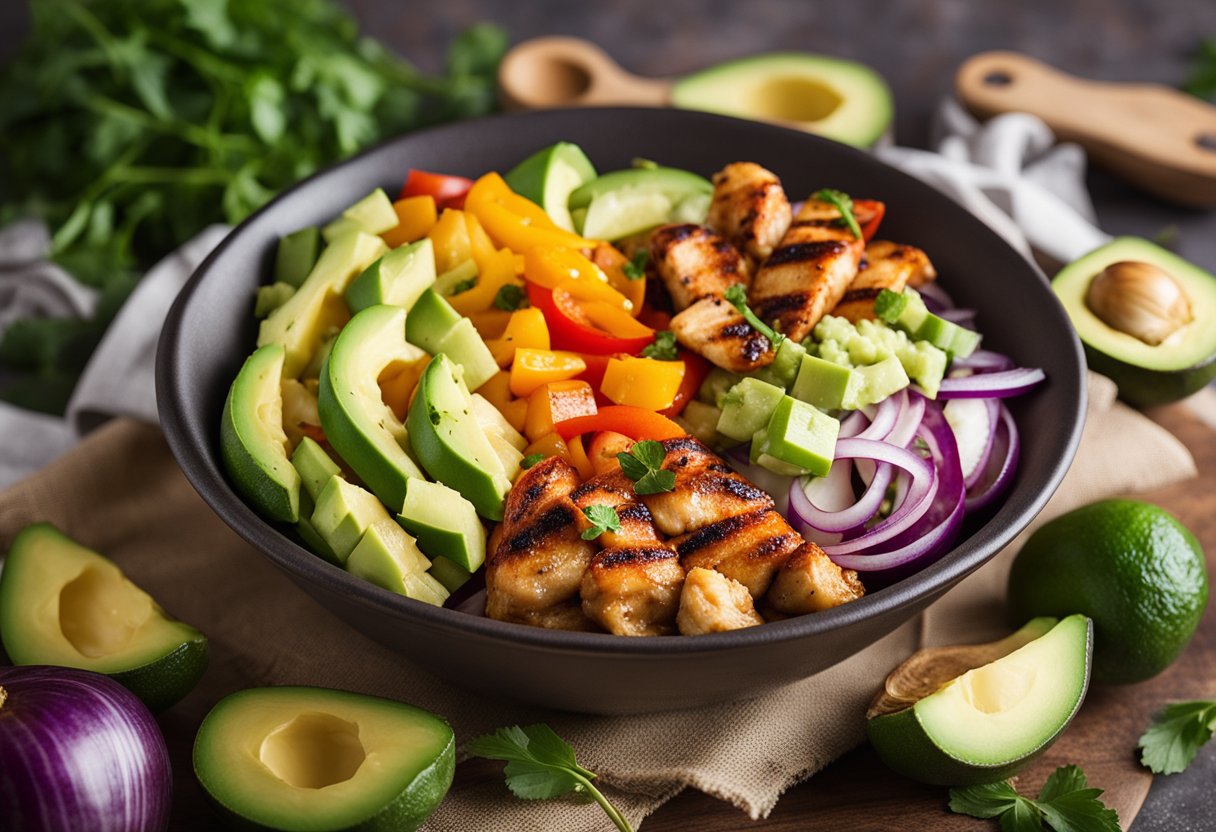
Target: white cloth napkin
1010, 172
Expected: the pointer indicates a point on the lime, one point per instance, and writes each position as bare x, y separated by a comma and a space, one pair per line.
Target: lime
1132, 568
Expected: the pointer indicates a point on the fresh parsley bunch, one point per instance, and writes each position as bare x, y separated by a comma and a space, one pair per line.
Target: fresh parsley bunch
130, 125
1066, 803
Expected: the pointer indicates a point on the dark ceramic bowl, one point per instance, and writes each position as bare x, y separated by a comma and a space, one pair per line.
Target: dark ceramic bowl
211, 330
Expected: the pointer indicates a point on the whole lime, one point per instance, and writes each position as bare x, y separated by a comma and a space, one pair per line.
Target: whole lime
1129, 566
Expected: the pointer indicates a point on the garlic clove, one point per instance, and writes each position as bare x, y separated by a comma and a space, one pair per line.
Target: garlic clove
1139, 299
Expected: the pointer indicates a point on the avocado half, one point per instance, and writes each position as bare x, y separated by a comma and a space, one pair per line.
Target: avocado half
303, 758
843, 100
62, 604
1146, 374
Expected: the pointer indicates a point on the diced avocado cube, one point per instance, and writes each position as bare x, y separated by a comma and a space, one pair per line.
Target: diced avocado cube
396, 279
785, 366
747, 407
964, 342
925, 364
464, 345
877, 382
456, 278
716, 384
313, 540
449, 573
422, 586
270, 298
343, 513
296, 256
315, 467
825, 384
373, 214
800, 436
701, 420
914, 312
947, 335
386, 556
431, 318
445, 523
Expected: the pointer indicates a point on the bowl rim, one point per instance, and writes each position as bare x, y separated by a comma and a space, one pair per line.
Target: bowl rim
189, 438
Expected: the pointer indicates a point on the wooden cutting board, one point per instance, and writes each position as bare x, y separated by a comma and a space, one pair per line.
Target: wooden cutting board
858, 794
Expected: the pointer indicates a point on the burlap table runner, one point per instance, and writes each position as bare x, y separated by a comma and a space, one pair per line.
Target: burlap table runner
121, 493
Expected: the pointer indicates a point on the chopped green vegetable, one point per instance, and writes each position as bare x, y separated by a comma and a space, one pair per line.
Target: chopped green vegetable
736, 296
890, 305
643, 464
844, 204
1176, 734
635, 269
541, 765
510, 297
530, 460
603, 518
464, 286
664, 346
1065, 803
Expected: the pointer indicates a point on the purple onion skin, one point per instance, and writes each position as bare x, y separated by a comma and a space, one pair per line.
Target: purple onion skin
79, 753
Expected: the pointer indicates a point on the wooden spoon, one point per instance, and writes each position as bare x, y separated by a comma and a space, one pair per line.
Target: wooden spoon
572, 72
1156, 137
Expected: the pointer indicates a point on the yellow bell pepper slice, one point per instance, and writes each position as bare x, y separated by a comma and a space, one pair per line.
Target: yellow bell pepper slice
612, 263
490, 323
497, 391
514, 222
553, 402
548, 266
416, 216
642, 382
596, 290
450, 237
614, 320
480, 243
578, 458
526, 329
397, 384
549, 445
492, 275
533, 368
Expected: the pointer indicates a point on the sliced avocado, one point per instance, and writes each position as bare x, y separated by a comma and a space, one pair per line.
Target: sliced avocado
343, 513
396, 279
627, 202
312, 540
63, 604
360, 426
747, 407
302, 758
507, 442
270, 298
389, 558
785, 365
549, 176
988, 723
436, 327
317, 310
876, 382
799, 439
296, 255
252, 442
314, 467
373, 214
450, 574
445, 524
912, 316
1147, 373
449, 442
843, 100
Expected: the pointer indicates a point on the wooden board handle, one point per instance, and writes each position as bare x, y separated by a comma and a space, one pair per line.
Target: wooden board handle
572, 72
1159, 138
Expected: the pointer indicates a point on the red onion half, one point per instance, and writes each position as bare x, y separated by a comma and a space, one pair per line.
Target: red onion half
79, 753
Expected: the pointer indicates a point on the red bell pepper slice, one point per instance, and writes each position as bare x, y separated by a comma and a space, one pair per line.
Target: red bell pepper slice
448, 191
696, 369
570, 330
634, 422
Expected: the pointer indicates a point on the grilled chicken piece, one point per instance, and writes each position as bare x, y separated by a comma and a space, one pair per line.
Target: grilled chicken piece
695, 263
533, 574
710, 602
706, 490
808, 273
810, 582
635, 591
613, 488
749, 209
886, 265
713, 328
749, 548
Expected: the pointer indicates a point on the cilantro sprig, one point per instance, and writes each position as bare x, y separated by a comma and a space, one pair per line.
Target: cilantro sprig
530, 460
541, 765
844, 204
664, 346
635, 269
736, 296
1065, 804
510, 297
643, 463
1176, 734
603, 518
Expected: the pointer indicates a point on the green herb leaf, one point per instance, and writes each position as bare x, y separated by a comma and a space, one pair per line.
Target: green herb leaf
1176, 734
890, 305
664, 346
541, 765
510, 297
1202, 79
1065, 803
643, 463
736, 296
530, 460
464, 286
635, 269
603, 518
844, 204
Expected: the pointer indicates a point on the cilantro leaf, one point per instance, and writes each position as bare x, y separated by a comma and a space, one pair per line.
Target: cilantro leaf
530, 460
603, 518
510, 297
635, 269
844, 204
464, 286
643, 464
1065, 803
664, 346
541, 765
1176, 734
890, 305
736, 296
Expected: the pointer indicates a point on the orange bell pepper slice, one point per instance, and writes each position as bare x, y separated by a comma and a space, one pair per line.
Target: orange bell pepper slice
578, 458
612, 263
532, 368
555, 402
634, 422
549, 445
416, 216
450, 237
492, 274
642, 382
613, 319
514, 222
526, 329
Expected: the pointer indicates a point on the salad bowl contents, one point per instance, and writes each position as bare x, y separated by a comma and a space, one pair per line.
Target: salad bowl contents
603, 398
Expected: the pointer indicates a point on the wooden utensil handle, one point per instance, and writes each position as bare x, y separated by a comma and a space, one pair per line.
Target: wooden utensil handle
1161, 139
567, 72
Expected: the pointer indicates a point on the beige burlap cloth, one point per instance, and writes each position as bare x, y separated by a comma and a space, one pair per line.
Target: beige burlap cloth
121, 493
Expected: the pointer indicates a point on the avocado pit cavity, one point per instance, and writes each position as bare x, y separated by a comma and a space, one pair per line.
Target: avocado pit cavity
100, 612
1139, 299
313, 750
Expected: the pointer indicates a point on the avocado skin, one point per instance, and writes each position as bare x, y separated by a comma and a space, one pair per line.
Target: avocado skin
1143, 387
165, 682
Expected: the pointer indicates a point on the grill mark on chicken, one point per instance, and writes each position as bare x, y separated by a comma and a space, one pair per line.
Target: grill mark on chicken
633, 591
695, 263
887, 265
750, 209
545, 526
714, 329
703, 493
806, 252
749, 548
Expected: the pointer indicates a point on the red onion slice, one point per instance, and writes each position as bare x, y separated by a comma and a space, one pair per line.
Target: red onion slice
991, 385
935, 296
844, 520
974, 423
1002, 464
983, 361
